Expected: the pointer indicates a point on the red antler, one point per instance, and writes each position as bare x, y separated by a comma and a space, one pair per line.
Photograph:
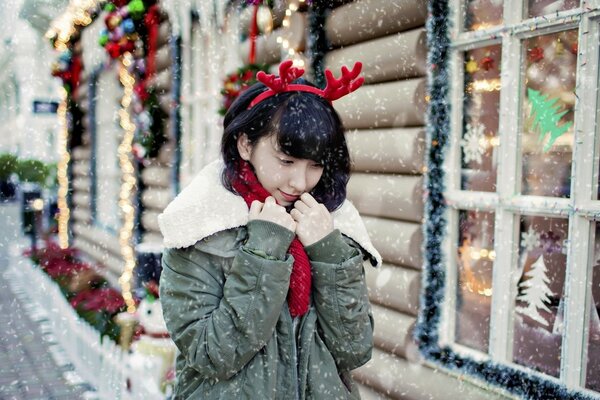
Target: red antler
287, 74
336, 88
347, 83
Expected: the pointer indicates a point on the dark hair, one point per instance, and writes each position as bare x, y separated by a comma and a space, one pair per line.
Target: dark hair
306, 126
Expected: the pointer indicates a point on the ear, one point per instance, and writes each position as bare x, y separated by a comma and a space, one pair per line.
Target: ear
244, 147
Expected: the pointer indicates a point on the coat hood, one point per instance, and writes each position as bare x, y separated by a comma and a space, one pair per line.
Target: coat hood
206, 207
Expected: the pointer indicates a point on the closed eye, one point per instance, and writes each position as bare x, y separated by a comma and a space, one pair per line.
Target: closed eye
286, 161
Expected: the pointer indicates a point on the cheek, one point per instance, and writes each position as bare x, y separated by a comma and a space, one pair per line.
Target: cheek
313, 178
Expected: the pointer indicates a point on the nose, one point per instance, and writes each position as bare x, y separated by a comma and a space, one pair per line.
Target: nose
298, 179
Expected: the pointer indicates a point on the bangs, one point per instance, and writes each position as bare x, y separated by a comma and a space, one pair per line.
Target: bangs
304, 128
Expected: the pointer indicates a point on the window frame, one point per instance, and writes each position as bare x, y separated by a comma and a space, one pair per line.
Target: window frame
580, 210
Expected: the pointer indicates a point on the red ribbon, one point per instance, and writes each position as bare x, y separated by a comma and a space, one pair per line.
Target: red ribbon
76, 67
253, 34
152, 21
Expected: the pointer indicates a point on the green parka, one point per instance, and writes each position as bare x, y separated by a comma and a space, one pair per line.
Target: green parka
224, 302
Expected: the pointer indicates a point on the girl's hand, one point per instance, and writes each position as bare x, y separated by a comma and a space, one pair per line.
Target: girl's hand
272, 212
313, 220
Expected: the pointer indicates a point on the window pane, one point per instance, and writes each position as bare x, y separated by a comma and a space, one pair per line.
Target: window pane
482, 14
539, 302
479, 143
476, 255
536, 8
593, 351
108, 173
547, 113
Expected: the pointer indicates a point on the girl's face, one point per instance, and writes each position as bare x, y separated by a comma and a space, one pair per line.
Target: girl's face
283, 176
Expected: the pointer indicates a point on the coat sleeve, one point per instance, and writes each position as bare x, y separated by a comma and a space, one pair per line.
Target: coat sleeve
219, 323
341, 300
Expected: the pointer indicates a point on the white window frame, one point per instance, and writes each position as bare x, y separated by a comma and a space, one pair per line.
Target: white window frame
580, 211
209, 52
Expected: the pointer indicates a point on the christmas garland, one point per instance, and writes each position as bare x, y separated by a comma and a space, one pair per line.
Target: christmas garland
318, 45
515, 381
132, 27
237, 82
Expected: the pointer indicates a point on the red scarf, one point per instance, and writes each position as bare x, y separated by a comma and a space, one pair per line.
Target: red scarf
248, 186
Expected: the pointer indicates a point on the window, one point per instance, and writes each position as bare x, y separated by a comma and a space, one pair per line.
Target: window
204, 66
522, 251
108, 134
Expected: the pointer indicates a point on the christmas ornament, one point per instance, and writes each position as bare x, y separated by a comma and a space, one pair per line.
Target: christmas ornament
536, 54
487, 63
471, 67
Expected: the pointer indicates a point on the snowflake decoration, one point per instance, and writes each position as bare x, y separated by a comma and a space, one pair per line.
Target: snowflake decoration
473, 143
530, 239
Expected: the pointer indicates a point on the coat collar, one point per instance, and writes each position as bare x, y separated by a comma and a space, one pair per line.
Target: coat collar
206, 207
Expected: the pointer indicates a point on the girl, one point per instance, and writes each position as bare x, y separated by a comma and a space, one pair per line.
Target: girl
262, 285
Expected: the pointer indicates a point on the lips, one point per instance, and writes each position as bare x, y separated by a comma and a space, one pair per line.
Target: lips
288, 197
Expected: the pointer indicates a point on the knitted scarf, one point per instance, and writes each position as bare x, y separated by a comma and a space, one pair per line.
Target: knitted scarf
247, 185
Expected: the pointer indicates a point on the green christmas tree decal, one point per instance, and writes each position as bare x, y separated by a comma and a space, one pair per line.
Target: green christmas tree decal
546, 118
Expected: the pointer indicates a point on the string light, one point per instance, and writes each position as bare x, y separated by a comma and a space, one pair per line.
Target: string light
485, 85
292, 8
63, 26
128, 183
63, 178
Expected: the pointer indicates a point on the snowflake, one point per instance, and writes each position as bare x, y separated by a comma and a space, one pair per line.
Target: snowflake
565, 246
530, 239
473, 143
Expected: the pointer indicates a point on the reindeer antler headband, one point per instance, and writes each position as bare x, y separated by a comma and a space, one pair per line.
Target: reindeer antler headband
335, 88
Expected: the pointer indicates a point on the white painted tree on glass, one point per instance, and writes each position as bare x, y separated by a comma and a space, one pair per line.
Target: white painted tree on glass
535, 292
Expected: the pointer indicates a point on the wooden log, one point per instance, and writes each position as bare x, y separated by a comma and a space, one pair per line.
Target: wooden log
150, 220
384, 105
395, 287
388, 196
402, 379
399, 56
363, 20
393, 331
157, 175
156, 198
399, 150
163, 58
398, 242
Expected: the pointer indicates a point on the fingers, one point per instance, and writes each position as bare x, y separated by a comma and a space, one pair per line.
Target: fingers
255, 208
296, 215
301, 206
309, 200
270, 200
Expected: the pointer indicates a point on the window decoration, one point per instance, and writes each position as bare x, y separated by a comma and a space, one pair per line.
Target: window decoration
473, 143
546, 117
548, 91
481, 105
237, 82
521, 382
132, 28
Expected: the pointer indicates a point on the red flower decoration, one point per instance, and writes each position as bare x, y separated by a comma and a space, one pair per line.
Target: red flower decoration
104, 299
536, 54
487, 63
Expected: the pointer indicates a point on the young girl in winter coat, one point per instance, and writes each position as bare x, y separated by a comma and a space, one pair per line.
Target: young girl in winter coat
263, 286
